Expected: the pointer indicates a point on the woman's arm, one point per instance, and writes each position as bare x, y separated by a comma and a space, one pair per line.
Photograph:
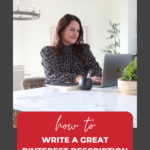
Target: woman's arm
52, 71
91, 63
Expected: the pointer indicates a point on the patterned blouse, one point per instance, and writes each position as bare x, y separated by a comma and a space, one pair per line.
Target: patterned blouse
56, 71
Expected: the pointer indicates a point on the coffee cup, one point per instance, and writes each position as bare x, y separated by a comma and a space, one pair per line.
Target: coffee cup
85, 83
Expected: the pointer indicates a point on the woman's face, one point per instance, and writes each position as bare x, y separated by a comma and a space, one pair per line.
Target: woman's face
71, 33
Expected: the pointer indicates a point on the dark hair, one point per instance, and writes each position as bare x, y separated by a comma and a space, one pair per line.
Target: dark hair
58, 45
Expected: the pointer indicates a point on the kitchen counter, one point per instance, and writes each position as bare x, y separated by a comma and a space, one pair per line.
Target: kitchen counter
97, 99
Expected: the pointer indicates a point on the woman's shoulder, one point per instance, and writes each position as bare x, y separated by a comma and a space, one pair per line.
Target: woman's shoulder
86, 50
86, 46
47, 49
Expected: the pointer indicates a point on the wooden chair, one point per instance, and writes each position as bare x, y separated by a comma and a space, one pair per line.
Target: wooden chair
18, 76
26, 84
31, 83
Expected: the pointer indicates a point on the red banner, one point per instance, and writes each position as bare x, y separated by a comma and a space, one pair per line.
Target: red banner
74, 131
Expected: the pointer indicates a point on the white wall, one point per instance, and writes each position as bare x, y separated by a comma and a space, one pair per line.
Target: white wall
128, 27
18, 38
116, 16
18, 43
132, 24
94, 14
116, 11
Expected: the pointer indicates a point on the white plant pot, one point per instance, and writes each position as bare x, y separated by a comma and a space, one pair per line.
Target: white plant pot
127, 87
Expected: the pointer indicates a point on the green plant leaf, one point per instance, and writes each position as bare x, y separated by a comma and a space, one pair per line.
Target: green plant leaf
130, 72
113, 34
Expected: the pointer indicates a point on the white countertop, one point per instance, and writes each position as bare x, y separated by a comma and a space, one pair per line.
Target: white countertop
96, 99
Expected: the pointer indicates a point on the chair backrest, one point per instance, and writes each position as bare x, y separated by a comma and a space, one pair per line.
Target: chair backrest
18, 77
31, 83
18, 67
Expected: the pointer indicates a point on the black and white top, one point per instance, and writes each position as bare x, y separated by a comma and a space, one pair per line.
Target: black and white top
57, 72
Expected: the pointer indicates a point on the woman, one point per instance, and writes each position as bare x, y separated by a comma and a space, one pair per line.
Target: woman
68, 59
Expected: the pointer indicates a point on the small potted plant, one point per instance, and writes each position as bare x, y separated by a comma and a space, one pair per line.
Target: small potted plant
128, 84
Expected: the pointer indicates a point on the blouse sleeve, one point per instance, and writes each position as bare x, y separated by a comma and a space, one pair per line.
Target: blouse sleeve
52, 71
91, 63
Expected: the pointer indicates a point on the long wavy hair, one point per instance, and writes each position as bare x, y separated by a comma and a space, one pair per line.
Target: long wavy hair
58, 45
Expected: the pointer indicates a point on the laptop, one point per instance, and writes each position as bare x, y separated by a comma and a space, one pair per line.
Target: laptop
114, 64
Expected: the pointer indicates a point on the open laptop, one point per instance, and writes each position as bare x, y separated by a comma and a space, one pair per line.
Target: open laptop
114, 64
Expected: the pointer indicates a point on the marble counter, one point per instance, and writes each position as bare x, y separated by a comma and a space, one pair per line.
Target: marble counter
97, 99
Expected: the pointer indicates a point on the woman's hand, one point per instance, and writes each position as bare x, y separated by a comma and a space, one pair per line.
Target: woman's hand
77, 79
96, 80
